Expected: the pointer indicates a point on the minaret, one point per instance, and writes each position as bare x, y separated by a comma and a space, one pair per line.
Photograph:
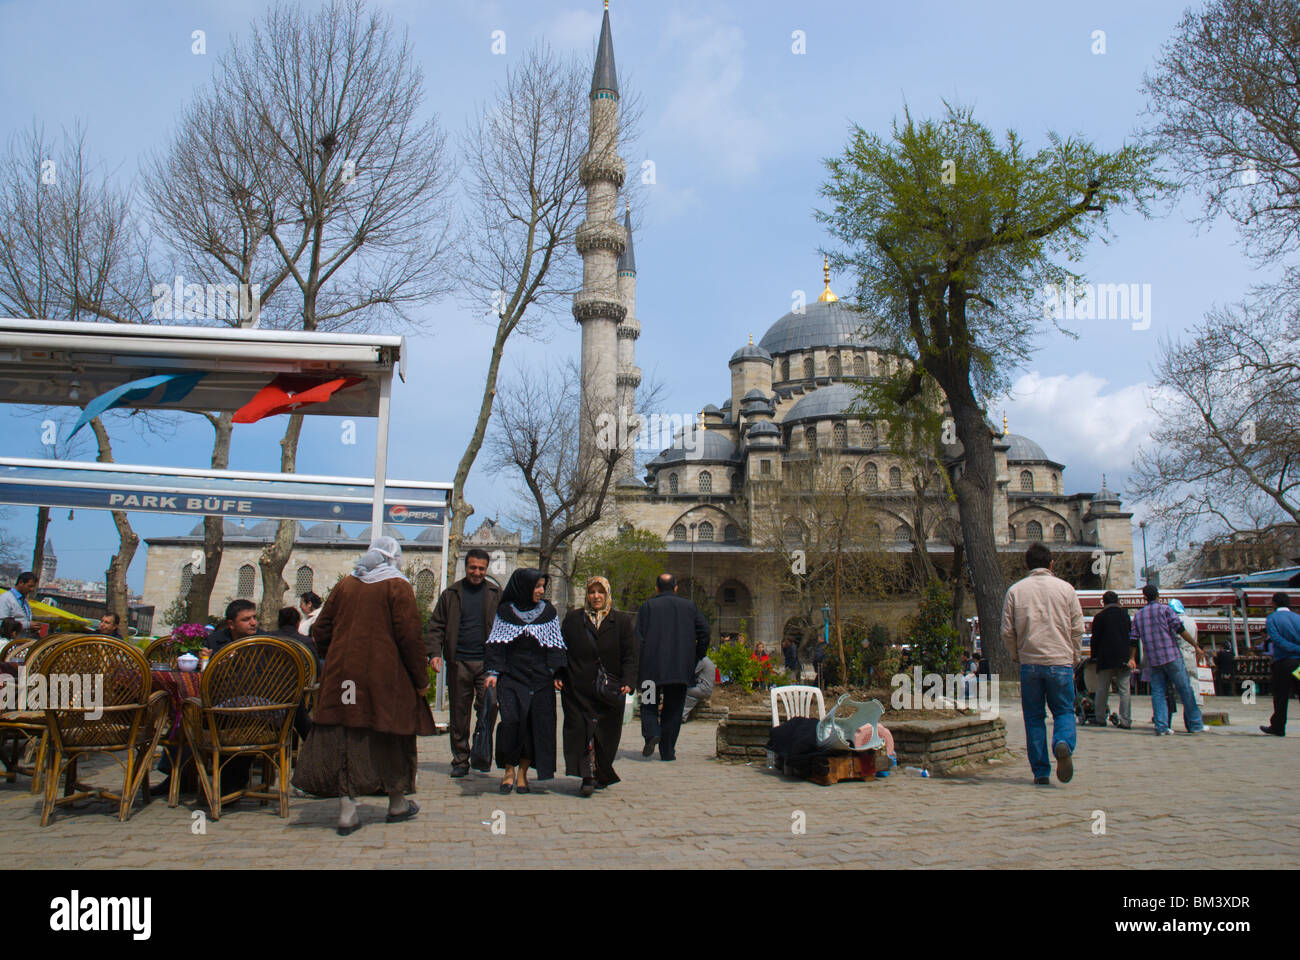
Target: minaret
629, 374
601, 240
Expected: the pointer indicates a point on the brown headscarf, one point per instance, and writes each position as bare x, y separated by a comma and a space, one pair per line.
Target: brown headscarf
594, 615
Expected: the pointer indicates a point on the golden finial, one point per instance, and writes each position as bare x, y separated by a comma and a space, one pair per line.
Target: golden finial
751, 339
1004, 423
827, 296
606, 4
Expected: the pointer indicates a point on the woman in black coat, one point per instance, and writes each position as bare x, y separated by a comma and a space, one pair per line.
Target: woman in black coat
522, 659
592, 727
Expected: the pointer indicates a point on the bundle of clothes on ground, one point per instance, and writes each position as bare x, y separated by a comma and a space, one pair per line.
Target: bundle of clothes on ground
803, 744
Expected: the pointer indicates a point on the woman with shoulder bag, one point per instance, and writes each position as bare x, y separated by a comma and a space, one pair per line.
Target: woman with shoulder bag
600, 674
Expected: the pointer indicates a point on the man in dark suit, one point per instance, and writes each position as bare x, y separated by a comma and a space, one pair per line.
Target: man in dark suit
673, 638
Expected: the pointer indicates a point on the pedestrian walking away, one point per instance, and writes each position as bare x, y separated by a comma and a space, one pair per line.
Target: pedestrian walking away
1042, 629
1116, 658
457, 637
672, 638
1283, 627
596, 637
1158, 628
524, 658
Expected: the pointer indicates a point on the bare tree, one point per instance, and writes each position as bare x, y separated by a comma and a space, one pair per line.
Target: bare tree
317, 178
1225, 455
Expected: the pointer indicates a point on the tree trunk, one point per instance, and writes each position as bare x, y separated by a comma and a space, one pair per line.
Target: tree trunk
38, 554
115, 585
974, 492
198, 602
839, 635
276, 554
958, 585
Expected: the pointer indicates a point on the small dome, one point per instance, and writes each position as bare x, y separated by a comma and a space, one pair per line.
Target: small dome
326, 531
430, 535
750, 351
1022, 448
704, 445
755, 394
726, 404
829, 401
389, 531
711, 409
268, 528
763, 428
229, 528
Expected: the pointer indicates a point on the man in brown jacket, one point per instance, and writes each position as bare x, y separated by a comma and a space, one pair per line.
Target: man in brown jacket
460, 624
1042, 630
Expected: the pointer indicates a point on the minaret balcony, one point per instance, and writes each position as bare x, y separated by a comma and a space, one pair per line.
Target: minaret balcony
602, 167
629, 377
629, 329
596, 306
601, 235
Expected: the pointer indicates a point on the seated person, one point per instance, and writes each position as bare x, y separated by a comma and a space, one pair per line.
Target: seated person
110, 625
241, 622
702, 689
289, 619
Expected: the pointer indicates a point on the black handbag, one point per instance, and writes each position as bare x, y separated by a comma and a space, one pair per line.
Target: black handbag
480, 750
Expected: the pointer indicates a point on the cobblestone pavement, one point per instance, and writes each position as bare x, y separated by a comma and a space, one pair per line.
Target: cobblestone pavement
1222, 799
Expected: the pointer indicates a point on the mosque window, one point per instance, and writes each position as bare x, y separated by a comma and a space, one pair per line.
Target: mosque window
808, 368
244, 586
679, 531
302, 581
187, 578
895, 478
1059, 533
810, 437
903, 534
1056, 483
791, 531
1026, 481
846, 476
834, 365
859, 366
731, 533
785, 369
425, 583
735, 482
765, 467
672, 483
1034, 530
874, 532
840, 435
706, 482
871, 476
1011, 530
704, 532
869, 432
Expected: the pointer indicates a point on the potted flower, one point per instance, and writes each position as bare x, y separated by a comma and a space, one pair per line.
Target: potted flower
191, 637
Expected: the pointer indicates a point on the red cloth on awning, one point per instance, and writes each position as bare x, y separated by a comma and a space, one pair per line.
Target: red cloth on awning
289, 391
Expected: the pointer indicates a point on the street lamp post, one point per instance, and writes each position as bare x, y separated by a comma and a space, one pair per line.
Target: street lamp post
1146, 566
692, 597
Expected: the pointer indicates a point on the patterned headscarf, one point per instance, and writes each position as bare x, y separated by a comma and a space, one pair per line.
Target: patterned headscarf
382, 561
598, 616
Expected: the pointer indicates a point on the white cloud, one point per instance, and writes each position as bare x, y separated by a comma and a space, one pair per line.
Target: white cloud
1081, 423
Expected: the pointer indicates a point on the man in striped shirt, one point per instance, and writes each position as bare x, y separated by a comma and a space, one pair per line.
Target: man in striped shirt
1158, 628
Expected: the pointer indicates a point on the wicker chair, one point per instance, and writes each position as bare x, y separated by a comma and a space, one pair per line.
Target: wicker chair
131, 720
251, 689
164, 650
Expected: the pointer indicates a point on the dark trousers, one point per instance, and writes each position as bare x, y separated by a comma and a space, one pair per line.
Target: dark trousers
670, 698
1284, 685
465, 695
1223, 685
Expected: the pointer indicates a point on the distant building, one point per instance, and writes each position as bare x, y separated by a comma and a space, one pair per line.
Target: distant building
49, 562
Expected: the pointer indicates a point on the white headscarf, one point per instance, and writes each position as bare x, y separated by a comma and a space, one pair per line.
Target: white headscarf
382, 561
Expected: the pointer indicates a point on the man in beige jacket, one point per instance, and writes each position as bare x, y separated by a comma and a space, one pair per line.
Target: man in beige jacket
1042, 629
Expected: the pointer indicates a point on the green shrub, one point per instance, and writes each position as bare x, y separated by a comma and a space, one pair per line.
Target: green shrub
935, 643
736, 663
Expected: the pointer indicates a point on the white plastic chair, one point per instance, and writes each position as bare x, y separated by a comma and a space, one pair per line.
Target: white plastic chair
797, 702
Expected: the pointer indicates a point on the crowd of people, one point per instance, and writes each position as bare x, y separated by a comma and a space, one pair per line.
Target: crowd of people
1042, 630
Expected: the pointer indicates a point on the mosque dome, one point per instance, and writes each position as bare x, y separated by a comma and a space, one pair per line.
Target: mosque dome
704, 446
824, 402
750, 351
1022, 448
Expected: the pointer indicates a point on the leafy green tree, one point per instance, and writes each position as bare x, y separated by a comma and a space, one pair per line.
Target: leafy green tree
958, 243
935, 643
630, 562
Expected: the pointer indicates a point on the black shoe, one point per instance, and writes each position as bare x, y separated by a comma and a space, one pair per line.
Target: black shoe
1271, 732
507, 786
347, 831
412, 808
522, 788
667, 757
1064, 762
459, 770
649, 748
587, 789
1114, 720
1042, 781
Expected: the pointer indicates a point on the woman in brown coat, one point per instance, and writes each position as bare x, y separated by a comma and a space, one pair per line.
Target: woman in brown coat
372, 702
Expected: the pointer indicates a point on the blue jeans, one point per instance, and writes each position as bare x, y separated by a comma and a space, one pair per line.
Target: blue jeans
1174, 673
1042, 687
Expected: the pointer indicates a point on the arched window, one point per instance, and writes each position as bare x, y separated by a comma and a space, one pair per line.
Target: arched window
840, 435
706, 482
869, 432
302, 581
871, 477
792, 531
1011, 530
1034, 530
735, 482
846, 476
808, 367
425, 582
672, 483
785, 369
895, 478
903, 534
187, 578
1026, 481
731, 533
834, 365
1056, 483
859, 366
1059, 533
679, 531
810, 437
244, 587
874, 533
704, 532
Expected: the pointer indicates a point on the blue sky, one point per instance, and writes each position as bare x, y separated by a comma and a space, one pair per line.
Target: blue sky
737, 125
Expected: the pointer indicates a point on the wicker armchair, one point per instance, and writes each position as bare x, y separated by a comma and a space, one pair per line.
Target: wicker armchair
251, 690
163, 651
130, 720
